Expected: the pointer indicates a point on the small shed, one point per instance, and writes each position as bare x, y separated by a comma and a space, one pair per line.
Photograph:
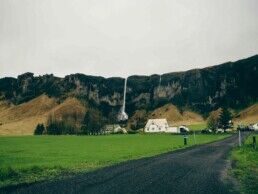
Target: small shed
114, 128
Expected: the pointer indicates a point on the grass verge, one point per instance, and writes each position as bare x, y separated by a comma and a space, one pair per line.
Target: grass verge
245, 166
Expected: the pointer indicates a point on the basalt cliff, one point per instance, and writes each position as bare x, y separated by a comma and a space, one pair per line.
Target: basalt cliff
232, 85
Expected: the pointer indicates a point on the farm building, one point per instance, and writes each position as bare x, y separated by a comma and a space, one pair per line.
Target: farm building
159, 125
115, 128
255, 126
183, 129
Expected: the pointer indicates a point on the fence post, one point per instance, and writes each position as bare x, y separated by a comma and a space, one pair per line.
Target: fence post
194, 138
254, 142
185, 140
239, 138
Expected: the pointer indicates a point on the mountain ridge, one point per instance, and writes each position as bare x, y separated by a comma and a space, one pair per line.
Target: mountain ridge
231, 85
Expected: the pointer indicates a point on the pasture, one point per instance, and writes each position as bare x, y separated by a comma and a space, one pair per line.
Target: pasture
197, 127
27, 159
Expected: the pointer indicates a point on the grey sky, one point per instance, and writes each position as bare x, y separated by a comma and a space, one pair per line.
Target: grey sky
124, 37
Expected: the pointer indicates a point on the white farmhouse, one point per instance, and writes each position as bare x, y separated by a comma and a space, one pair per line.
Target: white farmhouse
255, 126
159, 125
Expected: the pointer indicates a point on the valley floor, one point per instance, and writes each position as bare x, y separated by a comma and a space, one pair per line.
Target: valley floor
199, 169
28, 159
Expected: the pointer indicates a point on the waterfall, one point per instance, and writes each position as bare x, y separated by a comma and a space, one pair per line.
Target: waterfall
159, 84
122, 116
123, 108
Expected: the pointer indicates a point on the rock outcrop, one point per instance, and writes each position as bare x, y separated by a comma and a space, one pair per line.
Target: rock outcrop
233, 85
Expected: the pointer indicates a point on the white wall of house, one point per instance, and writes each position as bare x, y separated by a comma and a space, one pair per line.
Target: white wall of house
173, 130
159, 125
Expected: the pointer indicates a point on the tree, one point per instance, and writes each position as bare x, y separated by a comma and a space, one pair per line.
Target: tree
92, 122
139, 120
212, 122
86, 124
225, 118
39, 129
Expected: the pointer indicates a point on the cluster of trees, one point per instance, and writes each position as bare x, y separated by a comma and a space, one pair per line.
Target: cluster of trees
55, 127
92, 124
223, 120
139, 120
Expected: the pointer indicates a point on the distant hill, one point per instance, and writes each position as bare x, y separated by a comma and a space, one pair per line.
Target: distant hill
248, 115
23, 118
197, 92
175, 116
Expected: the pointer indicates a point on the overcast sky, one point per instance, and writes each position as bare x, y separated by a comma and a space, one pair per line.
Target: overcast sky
124, 37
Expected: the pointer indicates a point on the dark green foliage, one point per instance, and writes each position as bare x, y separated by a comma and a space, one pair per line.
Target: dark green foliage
225, 118
60, 127
139, 121
93, 122
212, 122
39, 129
54, 128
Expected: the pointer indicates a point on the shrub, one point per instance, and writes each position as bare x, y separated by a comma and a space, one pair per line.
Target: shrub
39, 129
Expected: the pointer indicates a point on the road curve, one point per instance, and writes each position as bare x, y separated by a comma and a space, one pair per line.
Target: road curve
199, 169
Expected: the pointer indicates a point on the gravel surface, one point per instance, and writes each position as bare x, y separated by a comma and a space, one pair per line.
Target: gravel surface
200, 169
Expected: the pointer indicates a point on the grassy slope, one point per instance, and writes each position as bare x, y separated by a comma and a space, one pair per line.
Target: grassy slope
30, 158
175, 117
245, 166
248, 115
22, 119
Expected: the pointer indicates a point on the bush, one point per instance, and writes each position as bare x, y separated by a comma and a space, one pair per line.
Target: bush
132, 132
39, 129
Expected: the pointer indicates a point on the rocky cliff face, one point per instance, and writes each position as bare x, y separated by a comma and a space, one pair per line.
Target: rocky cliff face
232, 84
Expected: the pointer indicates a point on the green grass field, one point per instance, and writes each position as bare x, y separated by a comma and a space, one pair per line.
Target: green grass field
34, 158
245, 166
197, 127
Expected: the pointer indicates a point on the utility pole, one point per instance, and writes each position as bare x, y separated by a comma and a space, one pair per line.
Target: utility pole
239, 138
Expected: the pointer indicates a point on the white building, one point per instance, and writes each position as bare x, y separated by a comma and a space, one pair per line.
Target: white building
108, 129
159, 125
255, 126
183, 129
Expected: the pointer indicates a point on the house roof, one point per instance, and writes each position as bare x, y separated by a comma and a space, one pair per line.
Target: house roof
156, 122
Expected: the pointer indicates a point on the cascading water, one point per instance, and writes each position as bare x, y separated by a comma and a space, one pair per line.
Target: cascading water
159, 83
122, 116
